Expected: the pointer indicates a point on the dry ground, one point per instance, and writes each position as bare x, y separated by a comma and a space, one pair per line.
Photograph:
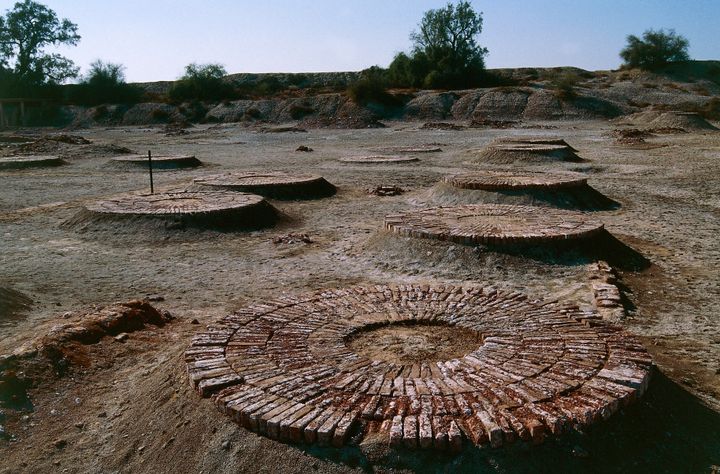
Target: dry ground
126, 407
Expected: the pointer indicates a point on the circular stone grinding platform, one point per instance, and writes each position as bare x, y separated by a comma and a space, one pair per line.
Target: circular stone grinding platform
533, 140
526, 152
410, 149
378, 159
494, 224
160, 162
416, 366
214, 210
35, 161
490, 181
278, 185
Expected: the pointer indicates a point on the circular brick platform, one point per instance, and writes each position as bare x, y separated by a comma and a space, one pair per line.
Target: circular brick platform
526, 152
409, 149
292, 369
378, 159
491, 181
534, 140
273, 184
35, 161
216, 210
160, 162
494, 224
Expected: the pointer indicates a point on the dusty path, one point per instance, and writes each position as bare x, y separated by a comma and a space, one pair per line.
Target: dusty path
129, 409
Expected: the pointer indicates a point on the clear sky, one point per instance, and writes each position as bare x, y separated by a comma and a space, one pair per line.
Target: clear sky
155, 39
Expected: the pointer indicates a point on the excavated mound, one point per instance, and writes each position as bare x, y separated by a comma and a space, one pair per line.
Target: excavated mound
34, 161
418, 366
532, 140
568, 191
689, 121
16, 139
494, 224
201, 210
160, 162
526, 152
276, 185
378, 159
12, 302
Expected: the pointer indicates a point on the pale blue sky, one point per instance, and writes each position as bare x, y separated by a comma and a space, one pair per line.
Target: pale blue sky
155, 39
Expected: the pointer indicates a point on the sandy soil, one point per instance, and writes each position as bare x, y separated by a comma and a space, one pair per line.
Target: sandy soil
128, 408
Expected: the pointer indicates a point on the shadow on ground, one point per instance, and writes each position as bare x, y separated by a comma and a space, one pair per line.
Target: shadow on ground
668, 430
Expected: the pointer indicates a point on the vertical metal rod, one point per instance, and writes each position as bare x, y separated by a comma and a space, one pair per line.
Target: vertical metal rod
152, 188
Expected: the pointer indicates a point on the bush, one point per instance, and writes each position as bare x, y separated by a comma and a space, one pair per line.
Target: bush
656, 49
104, 84
564, 84
298, 111
372, 88
202, 82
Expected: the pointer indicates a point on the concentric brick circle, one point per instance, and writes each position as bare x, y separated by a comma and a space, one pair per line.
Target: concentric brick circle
494, 181
526, 152
33, 161
160, 162
378, 159
410, 149
495, 224
271, 184
288, 369
535, 140
194, 209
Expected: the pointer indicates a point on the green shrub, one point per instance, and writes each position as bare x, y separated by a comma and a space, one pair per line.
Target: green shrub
160, 115
104, 84
372, 88
253, 113
656, 49
564, 85
298, 111
202, 82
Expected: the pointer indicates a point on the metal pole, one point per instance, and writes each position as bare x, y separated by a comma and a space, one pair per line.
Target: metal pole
152, 188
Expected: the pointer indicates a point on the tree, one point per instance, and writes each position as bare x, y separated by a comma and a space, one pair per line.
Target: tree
656, 49
105, 83
202, 82
445, 51
25, 31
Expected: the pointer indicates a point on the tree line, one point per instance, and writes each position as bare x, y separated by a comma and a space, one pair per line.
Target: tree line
445, 54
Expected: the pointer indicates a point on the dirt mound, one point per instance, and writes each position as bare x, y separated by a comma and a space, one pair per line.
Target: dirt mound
526, 153
12, 302
151, 113
501, 105
430, 106
45, 357
442, 126
631, 136
689, 121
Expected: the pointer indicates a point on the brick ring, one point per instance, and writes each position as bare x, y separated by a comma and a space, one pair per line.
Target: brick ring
297, 369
